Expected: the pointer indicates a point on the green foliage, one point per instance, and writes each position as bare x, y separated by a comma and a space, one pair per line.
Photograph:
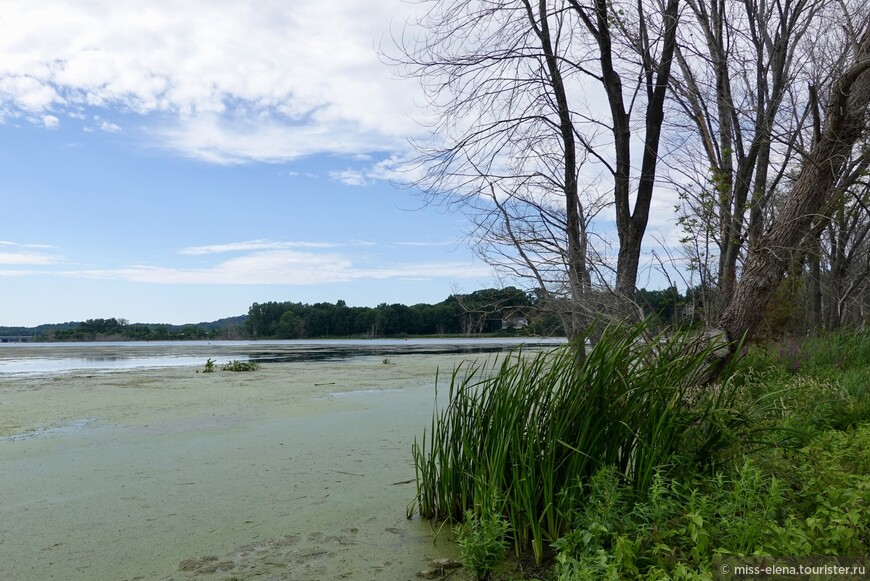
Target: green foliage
804, 490
120, 329
482, 541
537, 428
481, 311
823, 382
677, 530
668, 306
235, 365
483, 308
604, 459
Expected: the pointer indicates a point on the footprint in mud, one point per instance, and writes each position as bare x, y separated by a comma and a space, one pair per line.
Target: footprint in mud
344, 540
290, 557
206, 565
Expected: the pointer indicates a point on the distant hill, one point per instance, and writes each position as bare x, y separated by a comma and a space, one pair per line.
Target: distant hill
121, 330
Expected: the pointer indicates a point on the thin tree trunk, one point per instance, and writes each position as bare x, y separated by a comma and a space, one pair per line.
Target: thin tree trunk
814, 286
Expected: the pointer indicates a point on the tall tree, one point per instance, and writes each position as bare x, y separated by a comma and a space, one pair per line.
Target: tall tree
738, 64
503, 144
519, 141
846, 121
609, 24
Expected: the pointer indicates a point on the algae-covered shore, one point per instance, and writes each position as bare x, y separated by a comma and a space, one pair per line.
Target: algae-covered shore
296, 471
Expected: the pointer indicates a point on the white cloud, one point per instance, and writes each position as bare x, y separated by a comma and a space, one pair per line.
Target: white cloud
28, 258
350, 177
17, 254
27, 93
233, 80
252, 245
396, 168
285, 267
19, 245
223, 140
50, 121
110, 127
427, 244
19, 273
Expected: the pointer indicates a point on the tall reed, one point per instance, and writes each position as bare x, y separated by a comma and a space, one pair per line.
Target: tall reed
532, 430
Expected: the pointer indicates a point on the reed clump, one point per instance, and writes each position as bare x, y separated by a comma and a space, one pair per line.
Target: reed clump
532, 430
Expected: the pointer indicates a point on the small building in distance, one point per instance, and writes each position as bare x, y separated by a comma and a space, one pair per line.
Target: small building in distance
513, 320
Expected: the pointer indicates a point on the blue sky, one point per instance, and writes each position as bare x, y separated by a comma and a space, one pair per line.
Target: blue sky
177, 163
177, 160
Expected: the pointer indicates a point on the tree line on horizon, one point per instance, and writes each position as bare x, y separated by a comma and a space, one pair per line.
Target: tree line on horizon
507, 311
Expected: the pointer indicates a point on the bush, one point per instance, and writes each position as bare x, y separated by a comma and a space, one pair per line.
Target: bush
821, 384
677, 531
628, 472
805, 495
482, 541
241, 366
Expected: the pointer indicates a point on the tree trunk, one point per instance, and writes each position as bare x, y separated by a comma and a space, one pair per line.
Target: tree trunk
631, 221
814, 286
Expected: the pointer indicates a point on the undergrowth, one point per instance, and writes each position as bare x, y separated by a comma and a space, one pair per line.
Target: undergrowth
624, 471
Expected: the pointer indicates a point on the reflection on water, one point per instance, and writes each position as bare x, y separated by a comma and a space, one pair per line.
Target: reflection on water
51, 358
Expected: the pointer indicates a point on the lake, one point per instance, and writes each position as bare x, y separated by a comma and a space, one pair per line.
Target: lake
39, 358
123, 461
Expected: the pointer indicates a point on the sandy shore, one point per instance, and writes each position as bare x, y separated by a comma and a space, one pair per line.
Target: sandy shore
296, 471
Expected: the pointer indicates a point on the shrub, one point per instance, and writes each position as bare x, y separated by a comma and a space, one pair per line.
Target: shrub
482, 541
241, 366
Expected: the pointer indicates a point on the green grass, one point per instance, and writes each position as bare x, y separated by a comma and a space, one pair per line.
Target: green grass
482, 541
822, 508
621, 469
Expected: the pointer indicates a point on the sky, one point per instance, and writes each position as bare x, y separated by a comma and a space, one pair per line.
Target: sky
176, 161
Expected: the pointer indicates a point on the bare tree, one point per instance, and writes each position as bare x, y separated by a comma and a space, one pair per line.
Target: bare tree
520, 145
739, 64
840, 263
503, 144
845, 123
648, 31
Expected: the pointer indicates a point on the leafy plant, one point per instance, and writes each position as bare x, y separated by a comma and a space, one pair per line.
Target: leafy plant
209, 366
235, 365
482, 542
604, 459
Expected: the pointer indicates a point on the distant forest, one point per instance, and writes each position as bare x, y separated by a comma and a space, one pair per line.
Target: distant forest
508, 311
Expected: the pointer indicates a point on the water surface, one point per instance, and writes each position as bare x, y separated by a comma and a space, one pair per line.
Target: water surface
53, 358
301, 470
